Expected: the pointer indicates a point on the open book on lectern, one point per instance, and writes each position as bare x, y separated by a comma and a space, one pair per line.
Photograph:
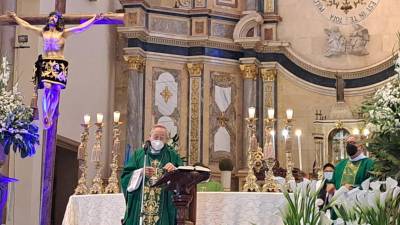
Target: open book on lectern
196, 168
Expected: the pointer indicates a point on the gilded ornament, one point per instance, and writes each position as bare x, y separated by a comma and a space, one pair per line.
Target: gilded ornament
249, 71
194, 120
135, 62
268, 74
195, 69
166, 94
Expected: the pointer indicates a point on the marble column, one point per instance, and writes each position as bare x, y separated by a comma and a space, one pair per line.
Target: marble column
249, 73
269, 99
195, 111
135, 104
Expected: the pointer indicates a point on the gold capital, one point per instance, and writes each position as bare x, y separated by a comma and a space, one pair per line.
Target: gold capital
195, 69
135, 62
249, 71
268, 74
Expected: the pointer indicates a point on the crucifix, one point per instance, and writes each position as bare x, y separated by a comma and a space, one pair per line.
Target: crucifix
51, 75
340, 85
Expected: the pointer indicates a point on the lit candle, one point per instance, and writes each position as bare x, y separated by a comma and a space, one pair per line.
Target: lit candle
272, 132
116, 116
99, 117
271, 113
366, 132
298, 134
252, 112
86, 119
285, 133
289, 114
356, 131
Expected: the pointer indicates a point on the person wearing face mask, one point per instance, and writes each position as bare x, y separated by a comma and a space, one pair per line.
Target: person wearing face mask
158, 206
328, 175
353, 171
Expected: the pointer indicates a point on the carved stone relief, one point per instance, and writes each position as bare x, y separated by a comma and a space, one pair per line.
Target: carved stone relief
354, 44
229, 3
223, 30
185, 4
199, 27
200, 3
169, 25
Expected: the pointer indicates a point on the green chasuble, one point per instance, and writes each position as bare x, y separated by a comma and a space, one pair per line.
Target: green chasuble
354, 173
158, 205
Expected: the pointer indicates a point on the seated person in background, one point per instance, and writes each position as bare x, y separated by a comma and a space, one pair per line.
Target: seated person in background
299, 175
208, 185
353, 171
328, 174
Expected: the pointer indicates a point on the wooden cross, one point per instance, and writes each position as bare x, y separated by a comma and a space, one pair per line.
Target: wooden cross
50, 135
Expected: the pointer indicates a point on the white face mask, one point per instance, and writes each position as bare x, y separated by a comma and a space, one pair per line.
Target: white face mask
157, 145
328, 175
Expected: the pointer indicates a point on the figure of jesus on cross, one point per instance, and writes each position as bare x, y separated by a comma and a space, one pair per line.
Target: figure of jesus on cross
51, 69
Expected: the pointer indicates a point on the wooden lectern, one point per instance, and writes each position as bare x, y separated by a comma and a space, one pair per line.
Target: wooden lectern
181, 182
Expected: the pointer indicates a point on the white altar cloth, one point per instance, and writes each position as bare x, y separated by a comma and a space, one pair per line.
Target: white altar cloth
213, 208
104, 209
239, 208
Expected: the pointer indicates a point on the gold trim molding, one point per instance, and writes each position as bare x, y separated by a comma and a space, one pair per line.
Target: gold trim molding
249, 71
195, 69
135, 62
195, 109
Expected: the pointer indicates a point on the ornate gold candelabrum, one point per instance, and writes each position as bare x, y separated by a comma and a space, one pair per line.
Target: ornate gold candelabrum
270, 184
82, 188
97, 187
288, 142
251, 180
113, 186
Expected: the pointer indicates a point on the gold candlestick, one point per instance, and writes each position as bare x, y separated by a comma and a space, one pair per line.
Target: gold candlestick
270, 184
82, 188
97, 187
288, 142
113, 186
251, 180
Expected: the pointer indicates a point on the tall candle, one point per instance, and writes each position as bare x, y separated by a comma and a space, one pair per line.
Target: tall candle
252, 112
86, 119
99, 117
298, 134
117, 114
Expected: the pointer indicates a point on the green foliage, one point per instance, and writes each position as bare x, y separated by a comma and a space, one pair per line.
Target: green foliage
301, 205
382, 113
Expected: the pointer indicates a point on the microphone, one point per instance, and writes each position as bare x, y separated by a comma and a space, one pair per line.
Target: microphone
147, 145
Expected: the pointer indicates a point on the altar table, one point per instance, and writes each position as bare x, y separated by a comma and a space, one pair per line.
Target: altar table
213, 208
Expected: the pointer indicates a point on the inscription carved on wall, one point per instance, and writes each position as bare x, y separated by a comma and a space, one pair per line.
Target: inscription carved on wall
346, 11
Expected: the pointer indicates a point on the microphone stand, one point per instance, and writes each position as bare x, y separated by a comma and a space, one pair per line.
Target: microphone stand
143, 183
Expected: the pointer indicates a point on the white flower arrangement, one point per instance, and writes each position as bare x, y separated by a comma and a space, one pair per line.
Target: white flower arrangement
370, 205
16, 127
384, 109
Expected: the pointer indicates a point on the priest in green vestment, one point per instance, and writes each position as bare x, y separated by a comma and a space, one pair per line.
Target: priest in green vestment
353, 171
157, 202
